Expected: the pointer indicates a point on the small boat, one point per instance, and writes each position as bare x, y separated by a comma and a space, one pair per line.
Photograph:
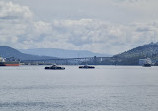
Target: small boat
54, 67
86, 67
147, 65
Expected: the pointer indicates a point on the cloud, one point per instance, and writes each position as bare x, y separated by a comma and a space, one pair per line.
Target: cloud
20, 29
101, 36
142, 6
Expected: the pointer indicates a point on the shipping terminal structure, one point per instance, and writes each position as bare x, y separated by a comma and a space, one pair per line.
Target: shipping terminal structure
9, 62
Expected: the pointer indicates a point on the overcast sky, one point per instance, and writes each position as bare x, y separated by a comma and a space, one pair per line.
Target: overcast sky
103, 26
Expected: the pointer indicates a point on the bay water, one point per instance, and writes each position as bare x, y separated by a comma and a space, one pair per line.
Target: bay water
105, 88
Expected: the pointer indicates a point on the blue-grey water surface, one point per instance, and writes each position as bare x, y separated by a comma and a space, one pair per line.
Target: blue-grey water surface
106, 88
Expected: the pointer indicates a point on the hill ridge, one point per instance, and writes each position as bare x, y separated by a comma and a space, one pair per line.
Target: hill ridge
7, 51
61, 53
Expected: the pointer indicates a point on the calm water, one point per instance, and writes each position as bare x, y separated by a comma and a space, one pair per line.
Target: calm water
106, 88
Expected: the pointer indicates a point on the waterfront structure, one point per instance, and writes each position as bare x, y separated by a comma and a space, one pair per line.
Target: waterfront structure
145, 61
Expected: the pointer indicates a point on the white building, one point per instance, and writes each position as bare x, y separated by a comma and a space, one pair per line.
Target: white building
145, 61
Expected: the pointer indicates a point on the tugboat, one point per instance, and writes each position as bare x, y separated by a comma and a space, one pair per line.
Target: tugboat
55, 67
86, 67
147, 63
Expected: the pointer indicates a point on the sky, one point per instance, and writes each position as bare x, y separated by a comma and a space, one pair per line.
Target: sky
102, 26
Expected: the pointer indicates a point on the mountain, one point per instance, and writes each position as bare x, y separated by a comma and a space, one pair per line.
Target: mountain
6, 52
132, 56
62, 53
